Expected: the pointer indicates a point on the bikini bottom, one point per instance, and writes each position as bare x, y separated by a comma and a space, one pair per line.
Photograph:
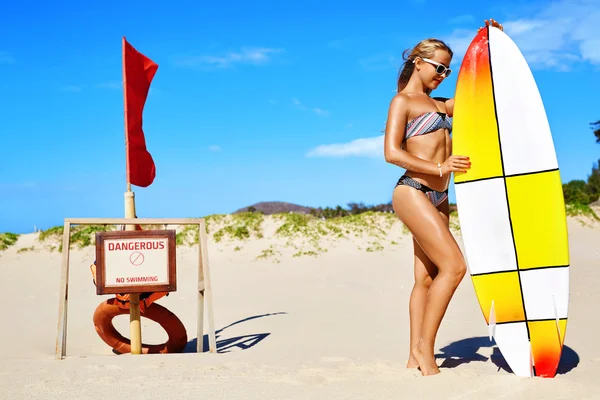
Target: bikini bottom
434, 196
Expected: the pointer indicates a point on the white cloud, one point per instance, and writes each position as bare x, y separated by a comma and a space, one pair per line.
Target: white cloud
459, 42
554, 36
214, 148
246, 55
299, 105
590, 50
363, 147
6, 58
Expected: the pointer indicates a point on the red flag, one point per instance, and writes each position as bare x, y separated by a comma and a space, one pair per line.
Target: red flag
138, 72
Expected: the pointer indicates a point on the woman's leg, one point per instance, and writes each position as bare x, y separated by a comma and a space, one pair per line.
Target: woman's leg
425, 271
430, 230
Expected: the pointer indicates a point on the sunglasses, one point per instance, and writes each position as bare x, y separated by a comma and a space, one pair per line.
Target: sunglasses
440, 69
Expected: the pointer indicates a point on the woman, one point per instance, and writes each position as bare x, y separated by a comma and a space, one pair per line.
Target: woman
417, 138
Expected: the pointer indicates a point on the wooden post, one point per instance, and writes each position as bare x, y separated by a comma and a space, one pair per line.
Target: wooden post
61, 336
200, 316
135, 325
204, 292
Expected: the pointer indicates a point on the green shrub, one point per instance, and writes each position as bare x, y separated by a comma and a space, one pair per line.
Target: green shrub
8, 239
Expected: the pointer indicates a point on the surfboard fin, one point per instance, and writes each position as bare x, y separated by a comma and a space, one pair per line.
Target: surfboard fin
531, 361
492, 322
556, 317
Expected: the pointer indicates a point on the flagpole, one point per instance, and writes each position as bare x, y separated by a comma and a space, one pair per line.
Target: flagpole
127, 174
135, 326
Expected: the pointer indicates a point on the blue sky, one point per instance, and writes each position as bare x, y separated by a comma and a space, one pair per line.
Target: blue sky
253, 101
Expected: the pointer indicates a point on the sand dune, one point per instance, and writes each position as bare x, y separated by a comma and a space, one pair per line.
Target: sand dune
314, 310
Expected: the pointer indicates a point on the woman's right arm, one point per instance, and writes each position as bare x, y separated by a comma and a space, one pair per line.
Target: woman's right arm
394, 136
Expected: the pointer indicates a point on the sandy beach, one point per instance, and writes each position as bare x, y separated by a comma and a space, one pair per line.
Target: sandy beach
303, 313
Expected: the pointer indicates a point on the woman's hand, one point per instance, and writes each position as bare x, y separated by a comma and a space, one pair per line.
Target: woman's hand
456, 164
492, 22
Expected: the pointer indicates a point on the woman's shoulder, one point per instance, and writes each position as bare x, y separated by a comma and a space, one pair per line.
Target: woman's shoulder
402, 100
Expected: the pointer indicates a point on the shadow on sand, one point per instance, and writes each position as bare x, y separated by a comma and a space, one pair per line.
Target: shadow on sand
225, 345
465, 351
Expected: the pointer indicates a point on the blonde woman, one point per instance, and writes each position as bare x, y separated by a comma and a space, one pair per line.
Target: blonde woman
417, 138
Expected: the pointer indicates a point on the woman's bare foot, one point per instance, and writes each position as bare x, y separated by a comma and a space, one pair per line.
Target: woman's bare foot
427, 363
412, 362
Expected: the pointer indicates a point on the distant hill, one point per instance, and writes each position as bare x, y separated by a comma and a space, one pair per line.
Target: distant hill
275, 207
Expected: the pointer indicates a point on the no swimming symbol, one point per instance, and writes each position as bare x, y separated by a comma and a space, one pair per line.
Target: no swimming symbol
136, 258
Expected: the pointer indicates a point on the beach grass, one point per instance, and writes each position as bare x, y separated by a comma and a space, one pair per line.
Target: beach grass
241, 226
81, 235
577, 209
8, 239
582, 213
305, 234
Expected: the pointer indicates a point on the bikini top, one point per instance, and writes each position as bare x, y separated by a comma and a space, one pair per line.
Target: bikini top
426, 123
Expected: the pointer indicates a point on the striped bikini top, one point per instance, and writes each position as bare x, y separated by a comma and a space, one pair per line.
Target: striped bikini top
426, 123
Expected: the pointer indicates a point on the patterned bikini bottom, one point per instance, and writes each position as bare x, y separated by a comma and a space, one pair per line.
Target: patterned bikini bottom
434, 196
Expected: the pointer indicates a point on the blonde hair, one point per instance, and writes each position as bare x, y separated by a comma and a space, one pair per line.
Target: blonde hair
425, 48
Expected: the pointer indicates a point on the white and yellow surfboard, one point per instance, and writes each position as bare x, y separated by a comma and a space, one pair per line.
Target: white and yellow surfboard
511, 206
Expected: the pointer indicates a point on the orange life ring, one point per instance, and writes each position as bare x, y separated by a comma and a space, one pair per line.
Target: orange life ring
107, 310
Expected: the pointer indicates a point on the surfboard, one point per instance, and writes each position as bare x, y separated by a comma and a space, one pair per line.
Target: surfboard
510, 205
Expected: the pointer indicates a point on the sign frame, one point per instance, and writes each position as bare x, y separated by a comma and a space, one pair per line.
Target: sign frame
168, 234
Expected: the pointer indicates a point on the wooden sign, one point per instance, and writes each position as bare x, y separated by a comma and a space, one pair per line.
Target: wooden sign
135, 262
